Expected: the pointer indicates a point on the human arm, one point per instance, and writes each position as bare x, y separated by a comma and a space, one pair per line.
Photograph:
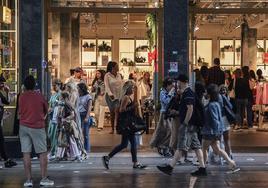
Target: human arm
107, 86
88, 110
189, 113
165, 97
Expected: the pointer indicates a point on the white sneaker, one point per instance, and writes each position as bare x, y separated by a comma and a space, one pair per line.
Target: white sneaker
28, 183
46, 182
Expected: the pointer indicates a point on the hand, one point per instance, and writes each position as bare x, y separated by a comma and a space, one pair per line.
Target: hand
86, 119
112, 97
184, 123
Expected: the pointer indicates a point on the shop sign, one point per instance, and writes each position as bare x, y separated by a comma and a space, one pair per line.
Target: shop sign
265, 58
5, 14
33, 72
173, 67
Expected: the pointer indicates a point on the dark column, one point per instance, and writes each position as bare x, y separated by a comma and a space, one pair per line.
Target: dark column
30, 38
176, 36
75, 40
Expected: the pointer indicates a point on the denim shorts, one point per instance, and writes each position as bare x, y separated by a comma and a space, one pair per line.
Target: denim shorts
187, 139
211, 137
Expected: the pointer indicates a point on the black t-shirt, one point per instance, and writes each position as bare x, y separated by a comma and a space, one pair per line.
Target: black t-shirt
242, 89
187, 98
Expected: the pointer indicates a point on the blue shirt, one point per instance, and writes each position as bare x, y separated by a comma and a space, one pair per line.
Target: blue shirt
165, 98
187, 98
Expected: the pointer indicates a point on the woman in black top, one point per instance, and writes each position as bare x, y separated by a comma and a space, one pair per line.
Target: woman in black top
126, 110
242, 97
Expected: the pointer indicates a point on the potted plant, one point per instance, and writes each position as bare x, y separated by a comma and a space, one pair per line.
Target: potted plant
127, 62
89, 47
140, 59
143, 48
104, 47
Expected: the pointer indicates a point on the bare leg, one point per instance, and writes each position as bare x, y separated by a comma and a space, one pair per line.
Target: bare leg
199, 155
205, 145
216, 148
43, 164
27, 165
176, 158
227, 144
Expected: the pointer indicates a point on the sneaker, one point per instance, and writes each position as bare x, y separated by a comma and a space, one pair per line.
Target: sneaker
105, 161
139, 166
46, 182
200, 172
28, 183
167, 169
9, 163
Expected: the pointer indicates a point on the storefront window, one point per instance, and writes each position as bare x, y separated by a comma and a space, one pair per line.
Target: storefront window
8, 56
204, 52
227, 52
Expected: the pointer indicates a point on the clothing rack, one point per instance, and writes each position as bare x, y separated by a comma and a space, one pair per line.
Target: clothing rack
262, 102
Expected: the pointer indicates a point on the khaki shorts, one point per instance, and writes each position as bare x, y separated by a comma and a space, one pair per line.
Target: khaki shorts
35, 137
187, 139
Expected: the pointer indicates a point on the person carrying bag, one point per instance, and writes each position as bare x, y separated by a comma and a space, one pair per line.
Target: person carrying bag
125, 126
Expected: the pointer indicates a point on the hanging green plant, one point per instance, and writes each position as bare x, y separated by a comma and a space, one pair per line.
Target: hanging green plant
151, 30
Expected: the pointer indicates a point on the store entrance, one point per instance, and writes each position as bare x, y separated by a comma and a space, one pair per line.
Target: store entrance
90, 39
236, 34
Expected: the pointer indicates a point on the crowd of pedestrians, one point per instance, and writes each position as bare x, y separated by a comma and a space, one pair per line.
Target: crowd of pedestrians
197, 118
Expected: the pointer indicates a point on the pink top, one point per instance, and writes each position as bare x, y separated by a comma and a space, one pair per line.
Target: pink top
32, 109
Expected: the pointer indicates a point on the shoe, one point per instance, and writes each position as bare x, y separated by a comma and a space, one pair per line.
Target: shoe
187, 161
139, 166
233, 168
46, 182
105, 161
200, 172
167, 169
77, 159
9, 163
28, 183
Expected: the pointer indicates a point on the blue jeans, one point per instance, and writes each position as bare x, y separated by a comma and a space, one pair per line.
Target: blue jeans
85, 127
124, 144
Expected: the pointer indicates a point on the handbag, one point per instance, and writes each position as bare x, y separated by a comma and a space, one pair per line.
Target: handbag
130, 125
137, 125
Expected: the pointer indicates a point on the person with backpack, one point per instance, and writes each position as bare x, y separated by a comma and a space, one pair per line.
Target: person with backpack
187, 137
85, 105
126, 112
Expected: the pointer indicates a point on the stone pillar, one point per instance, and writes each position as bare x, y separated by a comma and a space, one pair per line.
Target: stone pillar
176, 43
249, 47
75, 54
252, 49
30, 39
65, 45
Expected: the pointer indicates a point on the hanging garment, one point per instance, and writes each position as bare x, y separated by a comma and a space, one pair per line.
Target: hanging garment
265, 93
